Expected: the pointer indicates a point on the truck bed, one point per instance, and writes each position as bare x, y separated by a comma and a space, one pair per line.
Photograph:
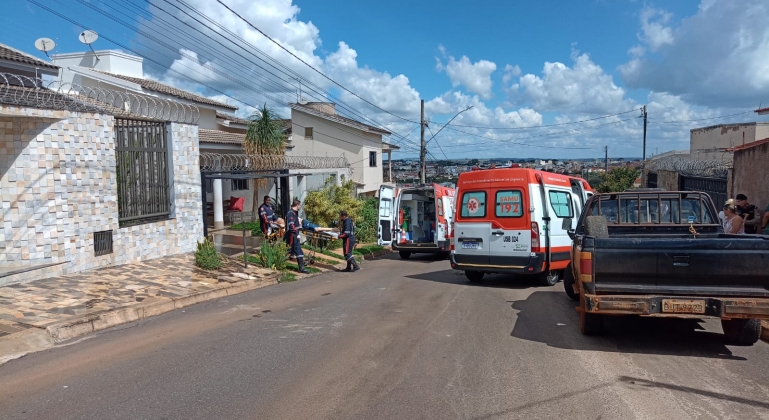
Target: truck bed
708, 265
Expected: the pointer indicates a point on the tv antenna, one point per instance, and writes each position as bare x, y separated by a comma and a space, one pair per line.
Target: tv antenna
45, 45
88, 37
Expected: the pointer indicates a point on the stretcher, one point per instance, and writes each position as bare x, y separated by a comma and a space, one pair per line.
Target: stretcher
318, 239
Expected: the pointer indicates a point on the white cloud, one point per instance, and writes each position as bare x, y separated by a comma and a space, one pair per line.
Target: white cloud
583, 88
510, 72
393, 94
475, 77
717, 57
655, 32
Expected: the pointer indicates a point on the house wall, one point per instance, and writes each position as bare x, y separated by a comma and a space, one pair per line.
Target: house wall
58, 187
334, 139
703, 140
749, 175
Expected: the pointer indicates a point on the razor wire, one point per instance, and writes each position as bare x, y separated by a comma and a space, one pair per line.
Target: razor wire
704, 168
223, 162
32, 92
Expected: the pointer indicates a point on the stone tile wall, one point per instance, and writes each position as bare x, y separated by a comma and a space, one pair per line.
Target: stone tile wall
58, 187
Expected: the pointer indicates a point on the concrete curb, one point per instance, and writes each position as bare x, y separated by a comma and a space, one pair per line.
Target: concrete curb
374, 255
88, 324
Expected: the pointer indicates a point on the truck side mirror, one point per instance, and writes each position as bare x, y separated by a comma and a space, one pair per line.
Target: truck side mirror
566, 225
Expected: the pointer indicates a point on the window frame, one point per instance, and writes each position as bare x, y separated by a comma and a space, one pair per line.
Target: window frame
233, 185
568, 203
483, 205
496, 202
372, 158
308, 133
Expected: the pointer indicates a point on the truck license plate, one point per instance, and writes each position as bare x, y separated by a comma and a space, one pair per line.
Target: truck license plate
683, 306
470, 245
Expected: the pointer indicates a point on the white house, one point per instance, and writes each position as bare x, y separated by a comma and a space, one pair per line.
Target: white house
317, 130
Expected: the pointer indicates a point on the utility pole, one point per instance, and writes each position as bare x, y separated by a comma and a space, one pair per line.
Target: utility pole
606, 158
644, 117
423, 147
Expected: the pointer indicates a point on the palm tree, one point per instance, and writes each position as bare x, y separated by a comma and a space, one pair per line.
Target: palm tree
264, 142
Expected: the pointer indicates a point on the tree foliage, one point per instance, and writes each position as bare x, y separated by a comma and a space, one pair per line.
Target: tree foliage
322, 206
264, 137
366, 225
617, 179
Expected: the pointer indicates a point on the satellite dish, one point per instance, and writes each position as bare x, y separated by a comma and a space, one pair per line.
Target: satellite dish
88, 37
45, 45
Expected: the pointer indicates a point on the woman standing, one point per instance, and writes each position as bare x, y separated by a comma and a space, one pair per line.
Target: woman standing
733, 223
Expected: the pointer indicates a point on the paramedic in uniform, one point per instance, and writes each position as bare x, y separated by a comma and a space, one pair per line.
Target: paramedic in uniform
292, 235
266, 216
347, 235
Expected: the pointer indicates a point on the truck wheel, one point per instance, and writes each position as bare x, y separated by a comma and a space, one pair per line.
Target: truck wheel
596, 226
589, 324
474, 276
743, 332
568, 284
404, 255
549, 278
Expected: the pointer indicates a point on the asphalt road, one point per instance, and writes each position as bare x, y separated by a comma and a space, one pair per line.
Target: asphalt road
398, 340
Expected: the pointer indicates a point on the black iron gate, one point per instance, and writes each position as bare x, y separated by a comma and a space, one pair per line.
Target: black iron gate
143, 178
715, 187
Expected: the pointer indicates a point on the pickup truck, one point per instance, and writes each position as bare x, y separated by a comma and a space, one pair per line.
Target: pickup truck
664, 254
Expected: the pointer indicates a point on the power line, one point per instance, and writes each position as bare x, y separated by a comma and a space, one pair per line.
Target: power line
436, 142
167, 46
682, 122
310, 66
543, 125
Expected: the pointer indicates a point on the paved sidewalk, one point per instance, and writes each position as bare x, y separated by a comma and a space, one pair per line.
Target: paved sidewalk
43, 303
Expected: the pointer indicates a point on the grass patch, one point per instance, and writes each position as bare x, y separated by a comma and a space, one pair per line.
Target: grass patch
369, 249
325, 261
332, 253
294, 267
287, 277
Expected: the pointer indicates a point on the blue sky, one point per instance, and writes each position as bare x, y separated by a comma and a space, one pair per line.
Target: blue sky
519, 64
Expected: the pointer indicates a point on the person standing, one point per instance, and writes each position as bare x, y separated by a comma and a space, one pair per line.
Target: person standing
734, 223
765, 221
266, 216
292, 235
347, 235
749, 213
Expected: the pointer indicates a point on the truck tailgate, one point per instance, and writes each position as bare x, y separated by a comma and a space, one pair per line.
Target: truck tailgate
726, 265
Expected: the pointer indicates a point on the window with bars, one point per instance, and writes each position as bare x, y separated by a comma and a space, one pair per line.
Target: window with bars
308, 133
143, 173
102, 243
239, 185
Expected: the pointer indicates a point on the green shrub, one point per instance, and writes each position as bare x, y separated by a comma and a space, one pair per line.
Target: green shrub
206, 256
273, 256
322, 206
366, 227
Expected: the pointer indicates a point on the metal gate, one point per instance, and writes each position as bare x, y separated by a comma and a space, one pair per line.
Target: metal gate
715, 187
143, 186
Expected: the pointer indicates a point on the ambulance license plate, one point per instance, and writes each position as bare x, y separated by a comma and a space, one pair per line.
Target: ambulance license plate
470, 245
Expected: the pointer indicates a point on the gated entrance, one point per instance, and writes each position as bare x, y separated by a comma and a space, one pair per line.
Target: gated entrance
715, 187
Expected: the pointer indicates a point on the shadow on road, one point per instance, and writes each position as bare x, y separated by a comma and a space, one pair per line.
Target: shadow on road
500, 281
542, 316
689, 390
418, 258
